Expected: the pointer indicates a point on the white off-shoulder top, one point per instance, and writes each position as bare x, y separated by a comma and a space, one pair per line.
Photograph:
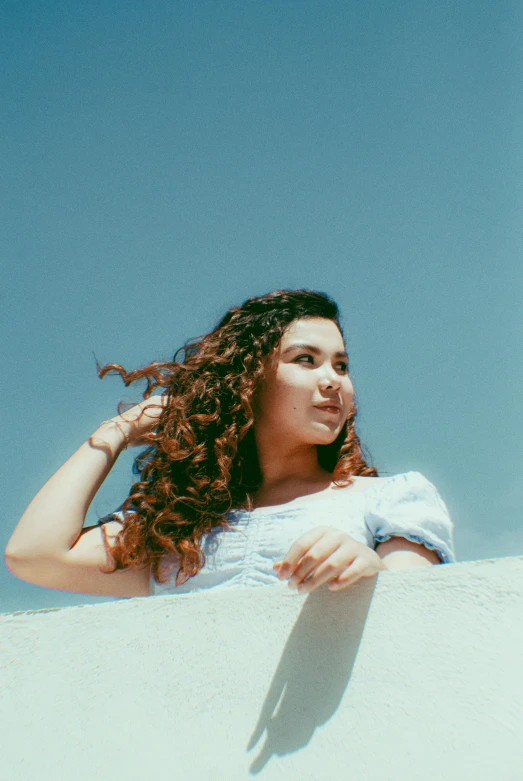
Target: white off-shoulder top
371, 510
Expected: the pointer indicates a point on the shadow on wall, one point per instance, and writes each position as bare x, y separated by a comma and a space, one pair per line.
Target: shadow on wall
310, 680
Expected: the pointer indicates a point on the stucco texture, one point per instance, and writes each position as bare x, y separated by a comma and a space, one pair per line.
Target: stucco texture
407, 676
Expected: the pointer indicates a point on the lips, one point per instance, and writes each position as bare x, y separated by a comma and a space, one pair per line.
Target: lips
329, 406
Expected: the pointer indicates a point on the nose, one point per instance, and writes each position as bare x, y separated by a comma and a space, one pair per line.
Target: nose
330, 379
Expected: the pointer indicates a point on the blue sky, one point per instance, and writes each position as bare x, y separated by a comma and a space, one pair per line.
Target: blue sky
166, 160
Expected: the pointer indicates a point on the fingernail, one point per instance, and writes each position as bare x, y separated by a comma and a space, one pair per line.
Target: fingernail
292, 583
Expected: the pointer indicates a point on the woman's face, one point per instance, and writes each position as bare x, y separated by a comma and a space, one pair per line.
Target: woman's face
307, 394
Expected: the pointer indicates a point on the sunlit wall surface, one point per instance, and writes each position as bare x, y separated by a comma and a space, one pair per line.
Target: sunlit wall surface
408, 676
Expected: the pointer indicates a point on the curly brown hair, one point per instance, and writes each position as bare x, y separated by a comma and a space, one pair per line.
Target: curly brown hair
201, 462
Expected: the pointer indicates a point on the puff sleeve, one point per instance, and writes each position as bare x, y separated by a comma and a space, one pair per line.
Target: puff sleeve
409, 506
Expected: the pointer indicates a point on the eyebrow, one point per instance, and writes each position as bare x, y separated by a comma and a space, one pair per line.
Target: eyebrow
311, 348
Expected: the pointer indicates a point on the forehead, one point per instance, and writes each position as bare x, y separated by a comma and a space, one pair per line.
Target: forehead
315, 331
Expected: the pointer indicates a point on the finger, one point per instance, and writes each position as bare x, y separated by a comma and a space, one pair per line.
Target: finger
298, 549
150, 409
317, 556
155, 405
349, 576
329, 570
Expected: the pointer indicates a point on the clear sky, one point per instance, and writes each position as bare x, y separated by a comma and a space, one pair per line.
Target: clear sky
163, 161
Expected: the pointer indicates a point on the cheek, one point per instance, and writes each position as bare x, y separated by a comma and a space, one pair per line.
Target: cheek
294, 388
278, 400
289, 396
348, 392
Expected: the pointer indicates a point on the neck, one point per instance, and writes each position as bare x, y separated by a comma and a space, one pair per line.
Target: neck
286, 463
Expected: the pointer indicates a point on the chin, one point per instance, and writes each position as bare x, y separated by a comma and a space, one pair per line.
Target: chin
327, 435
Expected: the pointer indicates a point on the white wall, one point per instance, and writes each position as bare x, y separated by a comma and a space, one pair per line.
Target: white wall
410, 676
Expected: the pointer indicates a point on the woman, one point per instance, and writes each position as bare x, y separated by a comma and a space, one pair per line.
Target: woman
253, 472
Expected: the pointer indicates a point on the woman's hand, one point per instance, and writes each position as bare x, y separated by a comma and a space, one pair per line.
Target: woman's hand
327, 555
140, 419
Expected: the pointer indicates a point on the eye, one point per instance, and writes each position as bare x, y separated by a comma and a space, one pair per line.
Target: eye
342, 366
308, 358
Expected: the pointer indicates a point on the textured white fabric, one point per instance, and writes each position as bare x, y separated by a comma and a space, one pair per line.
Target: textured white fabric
371, 511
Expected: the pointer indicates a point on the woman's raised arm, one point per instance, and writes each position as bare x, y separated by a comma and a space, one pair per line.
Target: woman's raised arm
49, 540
